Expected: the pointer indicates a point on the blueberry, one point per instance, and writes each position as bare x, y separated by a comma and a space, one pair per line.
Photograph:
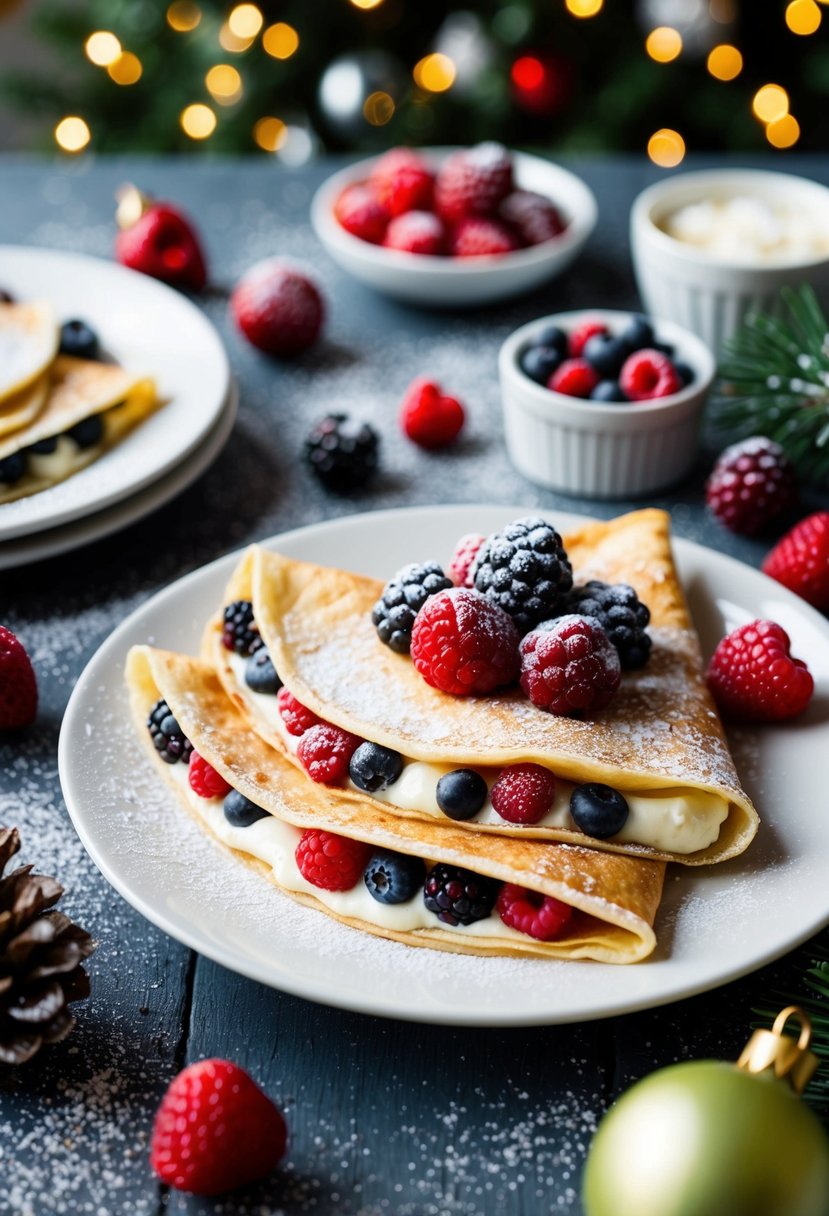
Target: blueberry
373, 767
394, 878
79, 339
553, 337
260, 673
685, 373
539, 363
12, 468
240, 812
608, 390
598, 810
606, 354
44, 447
461, 793
88, 432
638, 333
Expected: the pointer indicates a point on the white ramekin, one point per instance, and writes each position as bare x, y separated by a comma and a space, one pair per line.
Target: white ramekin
709, 295
598, 450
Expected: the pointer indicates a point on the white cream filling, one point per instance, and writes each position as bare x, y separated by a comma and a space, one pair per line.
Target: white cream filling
67, 458
748, 228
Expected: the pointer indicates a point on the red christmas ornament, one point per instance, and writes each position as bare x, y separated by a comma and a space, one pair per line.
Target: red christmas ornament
159, 240
541, 84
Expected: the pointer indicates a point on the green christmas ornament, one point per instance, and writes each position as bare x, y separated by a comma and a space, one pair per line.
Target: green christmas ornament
705, 1138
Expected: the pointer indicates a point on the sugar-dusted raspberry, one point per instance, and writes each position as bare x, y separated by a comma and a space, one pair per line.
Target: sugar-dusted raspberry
477, 236
204, 780
539, 916
523, 793
574, 378
402, 182
324, 752
462, 643
570, 666
754, 677
331, 862
800, 561
648, 374
278, 308
430, 418
531, 216
473, 182
296, 717
752, 484
581, 335
463, 559
416, 232
360, 212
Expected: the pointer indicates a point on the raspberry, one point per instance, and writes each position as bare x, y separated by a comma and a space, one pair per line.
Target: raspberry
753, 676
524, 570
476, 237
647, 374
751, 485
416, 232
403, 596
342, 452
580, 336
18, 686
530, 912
457, 896
204, 780
574, 378
800, 561
215, 1130
296, 717
523, 793
331, 862
324, 752
532, 216
570, 666
473, 182
429, 418
463, 559
623, 618
239, 630
462, 643
168, 738
402, 182
277, 308
358, 211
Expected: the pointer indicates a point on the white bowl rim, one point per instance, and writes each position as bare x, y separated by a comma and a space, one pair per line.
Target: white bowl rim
641, 213
578, 229
700, 353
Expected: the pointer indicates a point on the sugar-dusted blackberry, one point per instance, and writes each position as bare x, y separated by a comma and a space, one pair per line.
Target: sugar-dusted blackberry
621, 615
525, 570
457, 896
342, 451
403, 596
168, 738
239, 630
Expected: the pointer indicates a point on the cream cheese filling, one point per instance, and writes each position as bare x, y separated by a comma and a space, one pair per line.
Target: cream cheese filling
67, 458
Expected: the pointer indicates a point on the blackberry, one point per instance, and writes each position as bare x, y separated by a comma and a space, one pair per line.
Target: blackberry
403, 596
621, 615
524, 569
342, 451
457, 896
239, 630
167, 736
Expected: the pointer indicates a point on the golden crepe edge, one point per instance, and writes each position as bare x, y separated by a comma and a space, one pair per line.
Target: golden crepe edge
36, 318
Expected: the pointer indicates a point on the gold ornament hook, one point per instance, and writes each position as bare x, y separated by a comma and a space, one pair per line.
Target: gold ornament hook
772, 1050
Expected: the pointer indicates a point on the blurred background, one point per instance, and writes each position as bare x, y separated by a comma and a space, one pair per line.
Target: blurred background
293, 78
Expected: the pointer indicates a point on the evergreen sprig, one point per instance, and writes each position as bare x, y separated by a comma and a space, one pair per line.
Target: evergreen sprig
774, 381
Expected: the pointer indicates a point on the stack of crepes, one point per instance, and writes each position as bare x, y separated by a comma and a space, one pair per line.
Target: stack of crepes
659, 742
49, 403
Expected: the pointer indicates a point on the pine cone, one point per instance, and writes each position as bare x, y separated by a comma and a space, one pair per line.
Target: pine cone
41, 953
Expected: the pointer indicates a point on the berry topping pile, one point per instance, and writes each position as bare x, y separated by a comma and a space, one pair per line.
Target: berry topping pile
621, 615
754, 677
523, 793
524, 570
570, 666
239, 630
278, 308
403, 596
18, 686
457, 896
168, 738
342, 451
463, 559
752, 484
394, 878
331, 862
800, 561
325, 751
463, 643
428, 417
539, 916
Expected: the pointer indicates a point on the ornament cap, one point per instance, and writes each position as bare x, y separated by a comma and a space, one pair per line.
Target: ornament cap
132, 204
774, 1051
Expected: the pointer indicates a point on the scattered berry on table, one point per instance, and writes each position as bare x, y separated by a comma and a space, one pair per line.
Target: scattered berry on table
260, 673
532, 216
598, 810
539, 916
278, 308
608, 391
79, 339
473, 181
359, 211
373, 767
523, 793
297, 717
464, 643
524, 570
168, 738
240, 812
18, 683
580, 335
239, 630
163, 243
457, 896
343, 452
554, 337
204, 780
606, 354
87, 432
570, 666
461, 793
463, 559
416, 232
12, 468
476, 236
800, 561
324, 752
215, 1130
637, 333
621, 615
647, 375
752, 484
394, 878
539, 363
574, 378
403, 596
402, 181
754, 677
331, 862
428, 417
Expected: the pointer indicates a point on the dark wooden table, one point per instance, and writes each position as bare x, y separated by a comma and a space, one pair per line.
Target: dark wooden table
384, 1116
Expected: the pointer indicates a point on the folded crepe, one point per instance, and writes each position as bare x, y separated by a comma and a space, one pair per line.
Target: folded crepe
22, 407
614, 898
29, 337
660, 741
79, 390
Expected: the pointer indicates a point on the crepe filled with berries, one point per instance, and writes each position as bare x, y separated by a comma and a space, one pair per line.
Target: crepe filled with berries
423, 883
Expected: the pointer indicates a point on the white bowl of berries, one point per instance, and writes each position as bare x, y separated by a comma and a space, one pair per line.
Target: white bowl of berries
603, 404
446, 227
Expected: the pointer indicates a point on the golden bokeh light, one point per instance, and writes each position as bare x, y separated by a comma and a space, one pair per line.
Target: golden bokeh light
366, 4
663, 44
435, 73
584, 8
198, 121
102, 48
269, 133
770, 103
784, 133
183, 16
72, 134
127, 69
666, 148
378, 108
224, 84
245, 20
803, 16
229, 41
280, 40
725, 62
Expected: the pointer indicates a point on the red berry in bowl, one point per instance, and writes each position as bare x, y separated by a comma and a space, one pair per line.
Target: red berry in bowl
359, 211
473, 181
753, 676
523, 793
800, 561
570, 667
476, 237
428, 417
648, 374
402, 181
540, 916
574, 378
752, 483
462, 643
531, 216
581, 334
416, 232
18, 686
277, 308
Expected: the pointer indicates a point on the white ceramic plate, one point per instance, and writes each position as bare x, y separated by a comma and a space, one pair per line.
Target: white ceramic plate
712, 926
149, 328
25, 549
